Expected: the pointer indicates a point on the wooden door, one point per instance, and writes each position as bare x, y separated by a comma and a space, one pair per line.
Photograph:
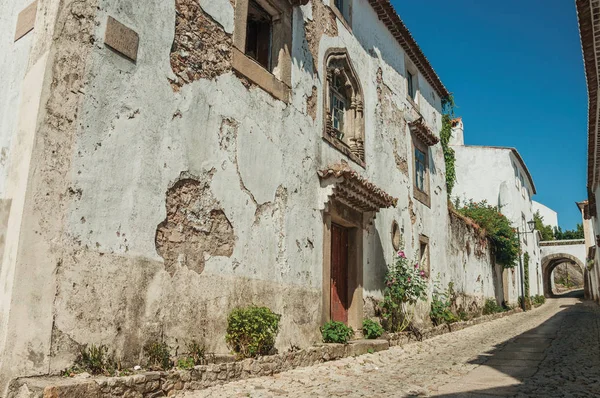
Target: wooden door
339, 273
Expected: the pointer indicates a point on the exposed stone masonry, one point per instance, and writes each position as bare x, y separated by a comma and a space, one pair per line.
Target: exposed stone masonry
195, 226
201, 48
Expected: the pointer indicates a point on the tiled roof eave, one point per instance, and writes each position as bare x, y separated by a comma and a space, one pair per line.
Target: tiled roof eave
357, 191
388, 15
423, 133
586, 17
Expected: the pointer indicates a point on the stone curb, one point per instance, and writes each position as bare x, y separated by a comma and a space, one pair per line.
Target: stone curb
168, 383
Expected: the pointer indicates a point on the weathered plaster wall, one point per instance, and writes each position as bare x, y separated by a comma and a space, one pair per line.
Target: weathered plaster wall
471, 267
133, 161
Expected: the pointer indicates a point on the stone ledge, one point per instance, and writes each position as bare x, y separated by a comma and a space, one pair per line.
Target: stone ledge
164, 384
396, 339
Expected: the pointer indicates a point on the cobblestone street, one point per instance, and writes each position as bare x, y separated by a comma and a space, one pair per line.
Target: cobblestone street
551, 351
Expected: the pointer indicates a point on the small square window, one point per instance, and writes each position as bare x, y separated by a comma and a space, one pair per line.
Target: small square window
424, 255
259, 34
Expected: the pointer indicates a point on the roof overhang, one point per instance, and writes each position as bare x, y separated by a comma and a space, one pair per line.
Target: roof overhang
589, 25
355, 191
422, 132
388, 15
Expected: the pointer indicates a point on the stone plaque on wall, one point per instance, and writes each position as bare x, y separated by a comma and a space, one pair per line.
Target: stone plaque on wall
121, 39
26, 20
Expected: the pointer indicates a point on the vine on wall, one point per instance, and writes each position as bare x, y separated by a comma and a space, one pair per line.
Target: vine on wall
445, 135
526, 271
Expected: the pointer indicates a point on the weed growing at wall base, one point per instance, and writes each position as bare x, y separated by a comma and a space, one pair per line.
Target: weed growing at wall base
336, 332
371, 329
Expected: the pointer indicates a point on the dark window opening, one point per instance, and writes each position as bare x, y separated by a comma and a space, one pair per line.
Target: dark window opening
259, 34
420, 169
411, 85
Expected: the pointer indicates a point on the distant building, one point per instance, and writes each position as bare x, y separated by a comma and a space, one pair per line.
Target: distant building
549, 216
499, 176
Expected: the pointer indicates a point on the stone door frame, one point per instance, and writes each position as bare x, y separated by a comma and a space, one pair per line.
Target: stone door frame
338, 213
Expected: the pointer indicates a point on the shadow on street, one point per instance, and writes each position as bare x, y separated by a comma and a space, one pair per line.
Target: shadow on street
559, 358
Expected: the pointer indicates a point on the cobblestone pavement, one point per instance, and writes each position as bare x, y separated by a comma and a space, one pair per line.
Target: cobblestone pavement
552, 351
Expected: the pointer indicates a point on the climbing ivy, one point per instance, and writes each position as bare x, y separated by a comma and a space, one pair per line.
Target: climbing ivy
445, 135
526, 272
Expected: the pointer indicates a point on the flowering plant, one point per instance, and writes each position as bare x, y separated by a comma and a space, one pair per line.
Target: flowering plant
405, 284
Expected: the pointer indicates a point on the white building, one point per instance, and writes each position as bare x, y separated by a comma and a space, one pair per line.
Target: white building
499, 176
549, 216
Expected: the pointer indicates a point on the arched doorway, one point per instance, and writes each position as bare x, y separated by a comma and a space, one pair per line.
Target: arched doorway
550, 262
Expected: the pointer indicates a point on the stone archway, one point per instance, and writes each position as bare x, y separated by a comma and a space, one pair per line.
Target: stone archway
550, 262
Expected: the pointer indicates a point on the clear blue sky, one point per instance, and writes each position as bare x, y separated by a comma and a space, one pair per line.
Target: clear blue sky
516, 70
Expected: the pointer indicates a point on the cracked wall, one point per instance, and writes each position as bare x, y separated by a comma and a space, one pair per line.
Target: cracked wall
195, 228
168, 254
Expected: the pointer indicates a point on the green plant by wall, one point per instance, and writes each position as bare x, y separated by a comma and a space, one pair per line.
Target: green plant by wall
336, 332
445, 135
546, 230
251, 331
405, 284
491, 307
94, 360
371, 329
504, 238
526, 272
194, 355
538, 300
441, 307
158, 354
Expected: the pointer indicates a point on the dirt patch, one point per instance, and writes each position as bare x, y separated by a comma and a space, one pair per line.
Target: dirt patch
195, 228
323, 23
201, 48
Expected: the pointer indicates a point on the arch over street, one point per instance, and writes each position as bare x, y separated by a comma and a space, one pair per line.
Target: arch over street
555, 253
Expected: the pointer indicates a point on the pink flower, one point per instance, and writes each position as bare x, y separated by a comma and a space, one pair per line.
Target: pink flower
416, 265
401, 254
409, 279
422, 273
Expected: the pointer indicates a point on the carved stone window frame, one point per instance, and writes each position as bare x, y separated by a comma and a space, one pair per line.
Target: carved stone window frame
414, 72
337, 62
278, 81
424, 255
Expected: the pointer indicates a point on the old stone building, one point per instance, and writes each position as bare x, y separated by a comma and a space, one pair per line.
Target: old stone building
162, 164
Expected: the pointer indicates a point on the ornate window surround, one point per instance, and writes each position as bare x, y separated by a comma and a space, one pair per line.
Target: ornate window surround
338, 63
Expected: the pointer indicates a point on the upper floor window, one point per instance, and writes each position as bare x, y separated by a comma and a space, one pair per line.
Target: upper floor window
420, 169
344, 123
262, 39
338, 103
342, 10
412, 92
259, 34
422, 138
